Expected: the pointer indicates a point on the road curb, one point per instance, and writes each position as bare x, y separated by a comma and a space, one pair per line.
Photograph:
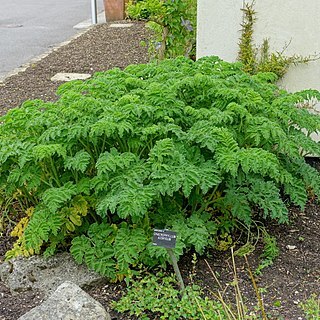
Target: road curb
38, 58
101, 18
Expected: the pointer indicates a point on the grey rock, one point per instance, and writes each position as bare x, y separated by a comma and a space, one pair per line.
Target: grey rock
68, 302
64, 76
45, 275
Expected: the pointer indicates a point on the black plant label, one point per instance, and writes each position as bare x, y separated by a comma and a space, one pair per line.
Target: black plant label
164, 238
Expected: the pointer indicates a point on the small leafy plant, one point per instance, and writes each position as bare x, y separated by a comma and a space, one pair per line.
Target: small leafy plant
270, 252
173, 25
311, 307
158, 294
191, 146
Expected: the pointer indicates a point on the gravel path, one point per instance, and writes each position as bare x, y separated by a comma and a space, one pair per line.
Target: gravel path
101, 48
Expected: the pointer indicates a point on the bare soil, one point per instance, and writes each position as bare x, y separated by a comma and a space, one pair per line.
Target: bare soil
293, 277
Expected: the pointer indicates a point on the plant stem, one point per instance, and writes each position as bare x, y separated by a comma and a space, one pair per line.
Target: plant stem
55, 173
239, 301
261, 306
209, 202
163, 46
176, 270
88, 149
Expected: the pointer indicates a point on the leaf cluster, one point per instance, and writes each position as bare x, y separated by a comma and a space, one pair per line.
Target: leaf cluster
173, 25
110, 249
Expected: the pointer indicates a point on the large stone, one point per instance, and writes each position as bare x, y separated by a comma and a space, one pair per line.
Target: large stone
65, 77
68, 302
121, 25
45, 275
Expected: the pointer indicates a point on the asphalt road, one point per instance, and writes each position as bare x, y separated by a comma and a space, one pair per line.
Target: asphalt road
29, 28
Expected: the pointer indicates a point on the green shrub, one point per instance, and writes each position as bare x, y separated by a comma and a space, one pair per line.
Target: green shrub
173, 25
192, 146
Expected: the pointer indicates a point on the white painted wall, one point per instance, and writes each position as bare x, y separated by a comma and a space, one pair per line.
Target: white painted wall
281, 21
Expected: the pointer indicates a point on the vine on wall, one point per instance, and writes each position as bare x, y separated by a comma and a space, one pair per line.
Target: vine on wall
259, 58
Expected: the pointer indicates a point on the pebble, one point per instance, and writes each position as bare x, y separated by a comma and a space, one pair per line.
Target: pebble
290, 247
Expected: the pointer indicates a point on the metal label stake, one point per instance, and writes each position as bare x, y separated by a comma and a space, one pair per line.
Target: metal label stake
167, 239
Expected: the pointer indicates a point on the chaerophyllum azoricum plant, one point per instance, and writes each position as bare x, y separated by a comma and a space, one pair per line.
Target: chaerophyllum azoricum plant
172, 23
190, 146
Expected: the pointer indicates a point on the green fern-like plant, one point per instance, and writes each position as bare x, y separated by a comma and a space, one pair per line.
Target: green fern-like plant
109, 249
191, 146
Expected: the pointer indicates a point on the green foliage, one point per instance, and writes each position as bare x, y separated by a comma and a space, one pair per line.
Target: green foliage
6, 209
191, 146
173, 25
247, 52
159, 295
270, 252
197, 231
256, 59
115, 251
311, 307
110, 249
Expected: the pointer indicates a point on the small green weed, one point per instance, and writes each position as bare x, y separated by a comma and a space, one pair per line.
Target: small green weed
158, 294
270, 252
277, 303
311, 307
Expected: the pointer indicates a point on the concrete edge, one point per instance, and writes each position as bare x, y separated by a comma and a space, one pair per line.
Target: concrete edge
101, 18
